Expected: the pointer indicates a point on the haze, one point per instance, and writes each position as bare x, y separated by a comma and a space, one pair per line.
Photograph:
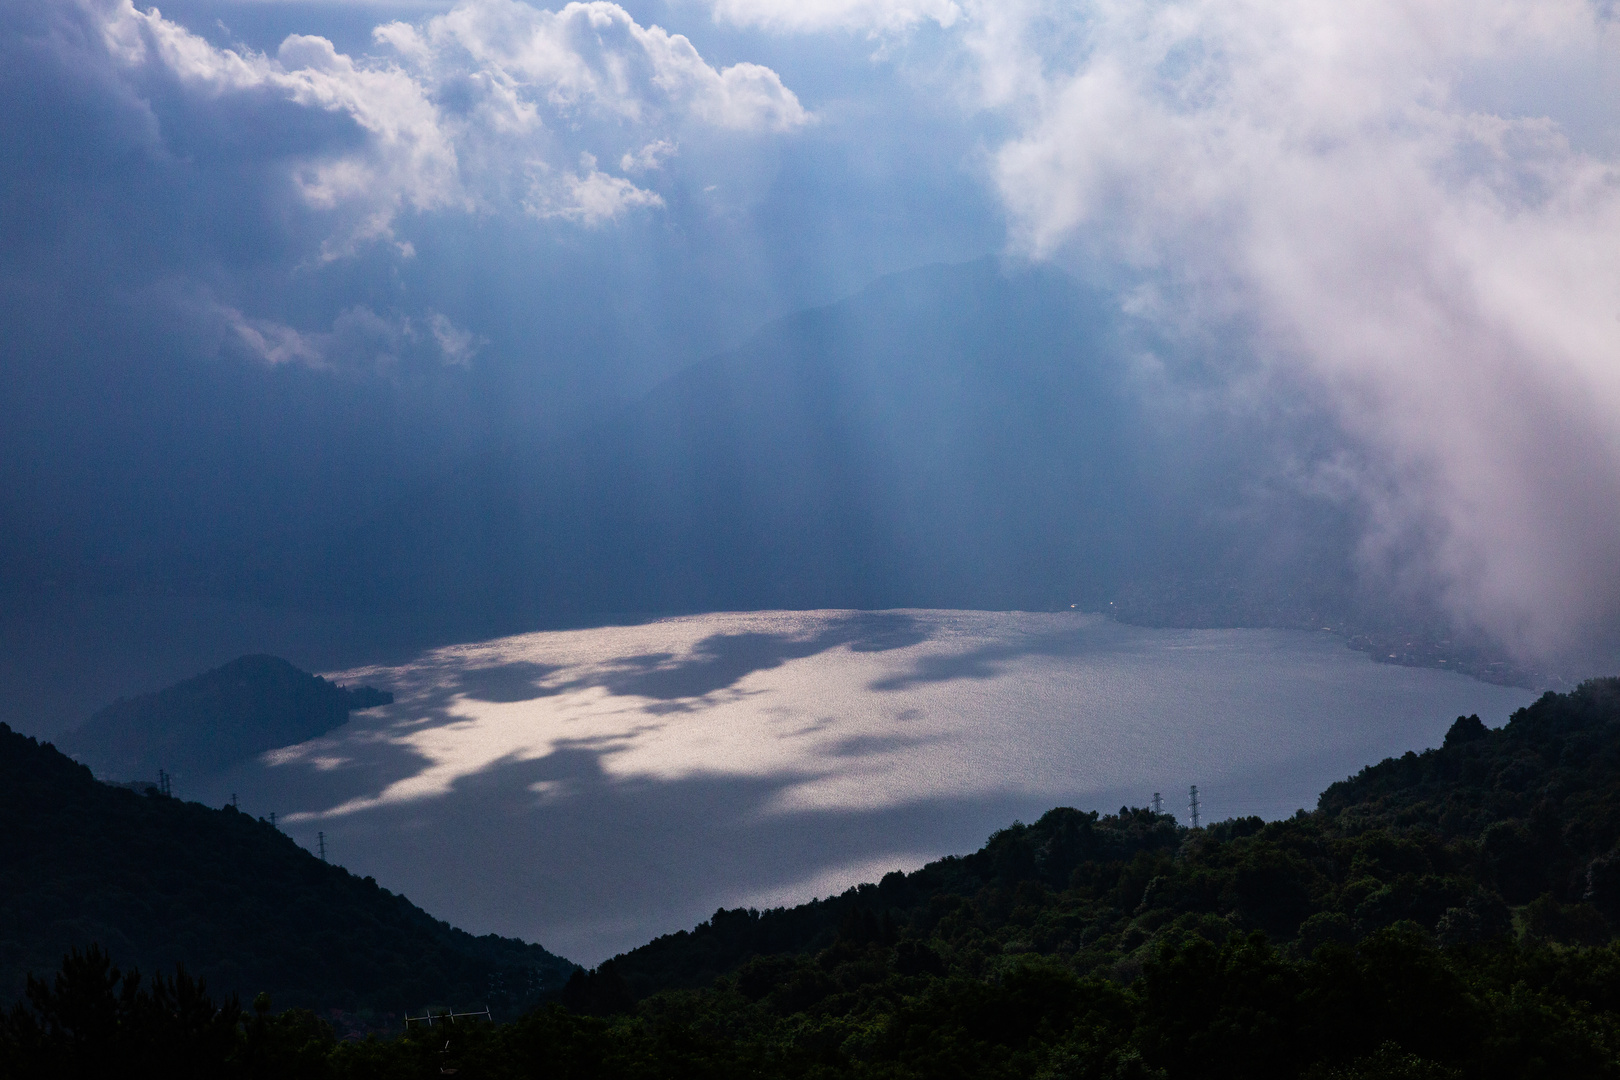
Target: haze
400, 324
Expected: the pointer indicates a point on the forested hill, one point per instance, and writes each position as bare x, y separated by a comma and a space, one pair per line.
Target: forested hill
214, 720
1441, 915
1497, 831
160, 881
1552, 773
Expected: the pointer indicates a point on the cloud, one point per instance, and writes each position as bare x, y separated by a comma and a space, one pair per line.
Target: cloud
1411, 209
464, 108
406, 159
510, 62
272, 342
589, 196
871, 16
457, 346
1329, 184
649, 157
359, 340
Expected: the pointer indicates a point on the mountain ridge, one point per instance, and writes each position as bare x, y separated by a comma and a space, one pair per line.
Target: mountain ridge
213, 720
969, 435
1369, 939
160, 881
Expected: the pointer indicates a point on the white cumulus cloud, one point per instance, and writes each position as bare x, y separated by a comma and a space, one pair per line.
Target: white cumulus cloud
407, 158
649, 157
1381, 196
870, 16
463, 109
589, 196
516, 61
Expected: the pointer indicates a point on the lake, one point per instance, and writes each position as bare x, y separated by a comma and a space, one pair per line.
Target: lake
590, 789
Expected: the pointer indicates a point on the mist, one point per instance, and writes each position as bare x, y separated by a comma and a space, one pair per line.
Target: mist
1409, 210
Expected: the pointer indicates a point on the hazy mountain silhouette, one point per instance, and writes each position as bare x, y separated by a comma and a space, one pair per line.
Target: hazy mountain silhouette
956, 436
977, 435
214, 720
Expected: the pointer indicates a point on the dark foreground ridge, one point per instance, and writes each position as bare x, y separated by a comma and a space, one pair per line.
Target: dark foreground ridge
1440, 915
214, 720
1527, 816
159, 881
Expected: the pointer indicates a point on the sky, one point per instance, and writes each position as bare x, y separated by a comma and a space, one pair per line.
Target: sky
265, 266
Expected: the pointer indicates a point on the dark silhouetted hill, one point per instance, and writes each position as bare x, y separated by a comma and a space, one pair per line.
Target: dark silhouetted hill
1505, 831
1440, 915
159, 881
213, 721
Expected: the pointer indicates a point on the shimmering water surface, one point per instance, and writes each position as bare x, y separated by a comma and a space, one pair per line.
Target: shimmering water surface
589, 789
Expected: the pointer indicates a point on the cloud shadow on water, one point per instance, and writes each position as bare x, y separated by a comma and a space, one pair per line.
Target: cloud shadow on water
558, 851
517, 680
720, 661
367, 755
857, 746
991, 661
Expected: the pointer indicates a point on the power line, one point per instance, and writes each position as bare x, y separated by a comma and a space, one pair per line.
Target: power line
451, 1015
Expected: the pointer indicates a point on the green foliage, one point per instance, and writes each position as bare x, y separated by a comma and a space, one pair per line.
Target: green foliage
1526, 817
158, 881
1393, 1006
94, 1021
